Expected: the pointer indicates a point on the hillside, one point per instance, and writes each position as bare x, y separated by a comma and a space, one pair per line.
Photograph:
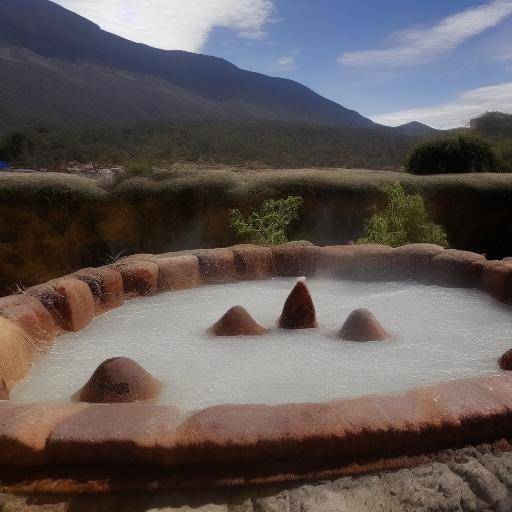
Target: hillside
57, 65
263, 143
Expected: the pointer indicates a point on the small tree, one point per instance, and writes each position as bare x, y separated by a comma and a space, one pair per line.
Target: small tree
269, 223
12, 146
496, 125
404, 220
139, 168
444, 155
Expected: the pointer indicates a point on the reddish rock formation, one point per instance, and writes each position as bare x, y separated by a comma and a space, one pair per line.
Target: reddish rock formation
497, 280
505, 360
295, 259
236, 322
414, 261
119, 380
106, 285
299, 310
30, 315
365, 262
336, 261
178, 273
140, 277
253, 261
4, 391
16, 352
362, 325
457, 268
69, 301
217, 266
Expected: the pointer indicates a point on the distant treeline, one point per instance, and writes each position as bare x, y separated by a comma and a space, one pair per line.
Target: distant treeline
263, 144
278, 145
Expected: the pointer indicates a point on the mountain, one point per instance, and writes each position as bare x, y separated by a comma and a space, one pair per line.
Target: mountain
57, 65
416, 129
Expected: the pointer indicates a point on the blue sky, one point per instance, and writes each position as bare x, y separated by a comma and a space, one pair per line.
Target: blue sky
435, 61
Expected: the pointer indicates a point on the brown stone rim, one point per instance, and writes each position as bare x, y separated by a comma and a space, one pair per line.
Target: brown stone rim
353, 432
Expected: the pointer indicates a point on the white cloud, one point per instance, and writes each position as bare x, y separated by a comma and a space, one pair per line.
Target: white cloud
457, 113
286, 62
504, 57
416, 46
175, 24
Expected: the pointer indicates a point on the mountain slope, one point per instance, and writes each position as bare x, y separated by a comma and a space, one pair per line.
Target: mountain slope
415, 128
118, 79
35, 87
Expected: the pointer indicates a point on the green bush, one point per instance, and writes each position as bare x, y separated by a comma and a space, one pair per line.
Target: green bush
12, 146
139, 168
268, 224
403, 221
448, 155
495, 125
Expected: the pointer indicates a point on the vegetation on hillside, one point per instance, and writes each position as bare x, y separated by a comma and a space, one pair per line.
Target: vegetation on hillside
403, 220
453, 154
496, 127
485, 146
268, 224
264, 144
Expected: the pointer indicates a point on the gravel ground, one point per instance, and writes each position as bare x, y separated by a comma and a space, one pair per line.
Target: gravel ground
470, 479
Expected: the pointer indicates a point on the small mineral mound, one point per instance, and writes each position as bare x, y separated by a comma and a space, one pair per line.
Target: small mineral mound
299, 310
505, 361
119, 380
362, 325
236, 322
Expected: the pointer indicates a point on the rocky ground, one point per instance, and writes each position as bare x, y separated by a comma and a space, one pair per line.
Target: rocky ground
470, 479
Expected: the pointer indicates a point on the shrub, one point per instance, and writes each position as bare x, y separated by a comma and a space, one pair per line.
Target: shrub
268, 224
13, 146
139, 168
404, 220
459, 154
496, 125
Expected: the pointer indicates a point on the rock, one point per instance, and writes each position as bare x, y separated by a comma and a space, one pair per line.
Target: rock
178, 273
16, 353
140, 277
237, 322
106, 285
4, 391
30, 315
68, 300
505, 361
456, 268
362, 325
295, 259
497, 280
253, 261
119, 380
299, 310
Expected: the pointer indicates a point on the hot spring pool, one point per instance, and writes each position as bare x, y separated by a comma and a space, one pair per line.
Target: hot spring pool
439, 334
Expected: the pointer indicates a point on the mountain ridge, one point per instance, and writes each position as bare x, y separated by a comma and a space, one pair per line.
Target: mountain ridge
190, 85
416, 128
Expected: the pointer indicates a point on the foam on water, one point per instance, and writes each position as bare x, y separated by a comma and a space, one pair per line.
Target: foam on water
440, 334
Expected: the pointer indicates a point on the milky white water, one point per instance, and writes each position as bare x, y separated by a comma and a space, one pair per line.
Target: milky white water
440, 334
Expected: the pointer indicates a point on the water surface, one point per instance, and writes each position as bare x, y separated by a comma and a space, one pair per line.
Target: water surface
439, 334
